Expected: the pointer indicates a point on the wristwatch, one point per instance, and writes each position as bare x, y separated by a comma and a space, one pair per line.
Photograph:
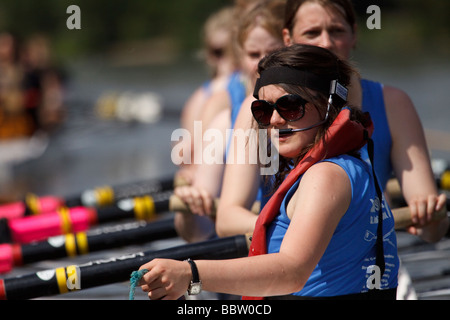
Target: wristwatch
195, 287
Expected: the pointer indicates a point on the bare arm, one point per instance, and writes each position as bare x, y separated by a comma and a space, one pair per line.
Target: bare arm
411, 164
207, 180
314, 219
240, 185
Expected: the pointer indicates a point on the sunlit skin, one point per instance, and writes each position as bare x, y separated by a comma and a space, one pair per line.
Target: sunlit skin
319, 26
314, 218
206, 185
258, 44
290, 145
326, 27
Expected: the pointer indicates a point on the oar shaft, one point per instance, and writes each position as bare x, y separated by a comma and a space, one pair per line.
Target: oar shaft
107, 195
77, 219
82, 243
30, 206
34, 228
108, 271
97, 197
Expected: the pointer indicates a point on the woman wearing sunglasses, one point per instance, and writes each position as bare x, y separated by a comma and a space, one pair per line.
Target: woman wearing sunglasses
400, 146
320, 235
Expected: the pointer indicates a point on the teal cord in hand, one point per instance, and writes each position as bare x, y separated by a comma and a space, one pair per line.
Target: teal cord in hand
134, 279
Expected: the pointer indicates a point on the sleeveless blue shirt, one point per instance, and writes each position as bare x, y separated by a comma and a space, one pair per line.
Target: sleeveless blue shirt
345, 266
238, 93
373, 102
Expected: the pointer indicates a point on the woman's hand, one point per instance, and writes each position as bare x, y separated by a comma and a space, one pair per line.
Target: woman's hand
166, 279
198, 199
422, 211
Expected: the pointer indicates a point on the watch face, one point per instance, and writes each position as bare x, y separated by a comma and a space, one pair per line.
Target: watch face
195, 288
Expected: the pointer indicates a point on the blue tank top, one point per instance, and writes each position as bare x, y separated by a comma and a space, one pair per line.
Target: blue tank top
345, 265
237, 90
373, 102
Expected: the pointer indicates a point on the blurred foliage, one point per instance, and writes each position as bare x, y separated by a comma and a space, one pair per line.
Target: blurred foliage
413, 26
410, 29
106, 22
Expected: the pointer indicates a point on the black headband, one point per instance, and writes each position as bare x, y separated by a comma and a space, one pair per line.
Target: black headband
288, 75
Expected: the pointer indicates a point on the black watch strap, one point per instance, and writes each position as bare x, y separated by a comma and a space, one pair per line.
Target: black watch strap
195, 276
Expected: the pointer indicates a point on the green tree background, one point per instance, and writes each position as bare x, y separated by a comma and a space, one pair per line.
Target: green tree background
408, 27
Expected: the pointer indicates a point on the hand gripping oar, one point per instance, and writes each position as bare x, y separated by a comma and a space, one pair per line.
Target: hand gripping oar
112, 270
99, 239
80, 243
77, 219
102, 272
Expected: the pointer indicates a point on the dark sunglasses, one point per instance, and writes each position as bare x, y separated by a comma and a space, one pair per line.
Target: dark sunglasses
290, 107
217, 52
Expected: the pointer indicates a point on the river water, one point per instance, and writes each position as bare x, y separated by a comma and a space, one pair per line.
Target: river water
88, 151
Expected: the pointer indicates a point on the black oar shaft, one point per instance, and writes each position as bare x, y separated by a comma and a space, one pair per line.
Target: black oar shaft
100, 239
108, 271
107, 195
70, 220
141, 208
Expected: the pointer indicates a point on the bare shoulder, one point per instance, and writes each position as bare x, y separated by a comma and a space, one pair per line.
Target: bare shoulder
326, 188
397, 100
325, 173
325, 178
401, 112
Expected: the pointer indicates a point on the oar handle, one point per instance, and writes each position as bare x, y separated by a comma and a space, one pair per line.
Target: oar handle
402, 216
394, 190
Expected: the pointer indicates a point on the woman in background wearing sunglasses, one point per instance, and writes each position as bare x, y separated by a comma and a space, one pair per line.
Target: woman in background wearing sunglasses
217, 37
310, 240
258, 32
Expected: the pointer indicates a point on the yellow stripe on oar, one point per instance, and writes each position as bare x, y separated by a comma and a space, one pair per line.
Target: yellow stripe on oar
71, 246
73, 281
445, 180
66, 224
32, 202
68, 279
82, 241
61, 280
144, 208
104, 196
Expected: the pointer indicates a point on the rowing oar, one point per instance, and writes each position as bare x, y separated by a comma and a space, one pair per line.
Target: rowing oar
96, 197
442, 182
112, 270
108, 271
31, 205
108, 195
71, 245
402, 216
80, 243
77, 219
71, 220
